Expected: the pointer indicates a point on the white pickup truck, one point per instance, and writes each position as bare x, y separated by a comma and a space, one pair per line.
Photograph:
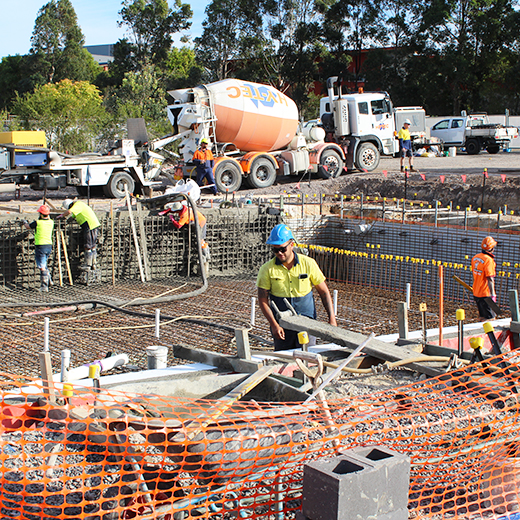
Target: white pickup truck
474, 133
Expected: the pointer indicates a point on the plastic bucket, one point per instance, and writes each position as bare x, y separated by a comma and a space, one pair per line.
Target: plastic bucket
157, 356
453, 151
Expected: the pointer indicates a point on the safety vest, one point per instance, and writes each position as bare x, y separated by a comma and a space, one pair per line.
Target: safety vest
43, 233
84, 213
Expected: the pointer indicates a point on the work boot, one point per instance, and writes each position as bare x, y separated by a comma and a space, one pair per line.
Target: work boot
412, 169
44, 279
402, 168
87, 262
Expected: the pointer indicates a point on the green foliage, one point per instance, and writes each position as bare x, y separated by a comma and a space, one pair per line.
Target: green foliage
70, 113
57, 44
140, 95
151, 25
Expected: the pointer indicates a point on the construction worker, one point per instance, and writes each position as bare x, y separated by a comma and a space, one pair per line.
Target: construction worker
483, 269
180, 215
43, 229
204, 161
89, 224
290, 275
405, 144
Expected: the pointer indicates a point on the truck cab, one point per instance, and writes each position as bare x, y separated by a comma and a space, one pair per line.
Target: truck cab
365, 120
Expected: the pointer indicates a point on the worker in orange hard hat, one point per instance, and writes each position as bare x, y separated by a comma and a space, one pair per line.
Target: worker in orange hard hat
483, 267
43, 229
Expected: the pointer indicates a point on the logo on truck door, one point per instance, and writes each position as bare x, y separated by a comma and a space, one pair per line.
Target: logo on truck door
258, 94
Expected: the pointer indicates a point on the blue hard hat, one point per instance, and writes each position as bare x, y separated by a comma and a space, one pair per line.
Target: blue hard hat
280, 235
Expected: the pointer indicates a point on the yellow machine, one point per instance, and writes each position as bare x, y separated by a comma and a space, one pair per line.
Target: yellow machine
24, 138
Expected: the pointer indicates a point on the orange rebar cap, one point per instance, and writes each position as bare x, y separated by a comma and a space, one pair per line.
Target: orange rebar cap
44, 210
488, 244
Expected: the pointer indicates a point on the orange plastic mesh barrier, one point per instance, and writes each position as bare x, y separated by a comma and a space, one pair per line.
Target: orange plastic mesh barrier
112, 455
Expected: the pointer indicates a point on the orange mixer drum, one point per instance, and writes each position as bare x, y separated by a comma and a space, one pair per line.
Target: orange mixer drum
254, 117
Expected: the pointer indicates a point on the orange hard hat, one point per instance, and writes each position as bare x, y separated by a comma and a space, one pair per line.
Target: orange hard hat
488, 244
44, 210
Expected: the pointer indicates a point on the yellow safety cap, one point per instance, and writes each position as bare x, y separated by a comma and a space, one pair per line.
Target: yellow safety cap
93, 371
422, 307
460, 315
68, 390
303, 337
488, 327
476, 342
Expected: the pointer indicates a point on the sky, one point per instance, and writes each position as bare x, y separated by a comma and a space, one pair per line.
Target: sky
97, 19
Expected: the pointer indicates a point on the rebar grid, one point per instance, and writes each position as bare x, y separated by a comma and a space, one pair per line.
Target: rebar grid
91, 335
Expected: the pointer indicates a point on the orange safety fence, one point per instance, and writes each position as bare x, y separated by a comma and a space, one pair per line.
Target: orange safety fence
108, 455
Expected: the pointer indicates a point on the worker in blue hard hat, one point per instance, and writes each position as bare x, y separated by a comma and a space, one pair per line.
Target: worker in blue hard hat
290, 275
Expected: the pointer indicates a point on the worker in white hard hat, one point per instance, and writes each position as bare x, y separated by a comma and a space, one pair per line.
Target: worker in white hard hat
180, 215
89, 224
405, 144
204, 161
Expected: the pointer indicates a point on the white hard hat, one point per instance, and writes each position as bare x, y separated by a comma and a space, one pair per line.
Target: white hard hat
174, 206
67, 203
407, 122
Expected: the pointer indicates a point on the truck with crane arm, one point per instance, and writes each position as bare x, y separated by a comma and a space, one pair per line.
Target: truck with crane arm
254, 129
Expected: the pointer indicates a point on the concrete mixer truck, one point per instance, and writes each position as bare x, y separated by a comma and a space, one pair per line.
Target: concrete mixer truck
254, 130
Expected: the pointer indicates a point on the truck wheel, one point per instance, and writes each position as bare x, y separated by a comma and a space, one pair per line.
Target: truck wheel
228, 176
331, 165
367, 157
263, 173
493, 149
116, 185
472, 147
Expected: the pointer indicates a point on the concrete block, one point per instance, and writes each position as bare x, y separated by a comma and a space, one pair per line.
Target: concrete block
357, 485
393, 475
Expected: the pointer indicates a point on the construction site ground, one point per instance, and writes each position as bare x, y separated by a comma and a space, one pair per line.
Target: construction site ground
443, 181
228, 301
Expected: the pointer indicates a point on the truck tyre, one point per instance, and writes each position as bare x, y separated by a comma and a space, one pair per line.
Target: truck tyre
228, 176
262, 174
331, 165
367, 157
472, 147
116, 185
493, 149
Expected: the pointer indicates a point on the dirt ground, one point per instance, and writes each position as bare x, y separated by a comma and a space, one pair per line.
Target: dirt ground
458, 179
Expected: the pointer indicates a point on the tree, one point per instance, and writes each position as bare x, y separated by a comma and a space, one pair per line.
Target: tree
70, 113
473, 38
141, 95
220, 43
182, 69
151, 25
57, 43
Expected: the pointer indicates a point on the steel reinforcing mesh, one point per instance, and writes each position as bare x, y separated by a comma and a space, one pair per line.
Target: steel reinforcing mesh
123, 455
388, 254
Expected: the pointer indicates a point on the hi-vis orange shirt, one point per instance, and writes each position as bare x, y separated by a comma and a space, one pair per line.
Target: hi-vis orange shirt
482, 267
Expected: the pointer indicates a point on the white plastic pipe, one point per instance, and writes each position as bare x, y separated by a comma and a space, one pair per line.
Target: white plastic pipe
335, 301
253, 310
408, 294
46, 322
104, 364
65, 365
157, 323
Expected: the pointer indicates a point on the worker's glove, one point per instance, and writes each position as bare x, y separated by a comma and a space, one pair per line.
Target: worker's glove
494, 298
59, 217
23, 222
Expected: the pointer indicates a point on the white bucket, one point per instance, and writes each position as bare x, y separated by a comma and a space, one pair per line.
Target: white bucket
453, 151
157, 356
